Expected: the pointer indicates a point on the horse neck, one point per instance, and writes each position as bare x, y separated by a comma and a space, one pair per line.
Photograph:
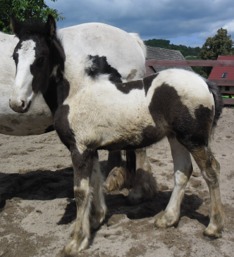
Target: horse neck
58, 87
57, 92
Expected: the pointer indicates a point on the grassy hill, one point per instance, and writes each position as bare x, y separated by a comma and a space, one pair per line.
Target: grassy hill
187, 51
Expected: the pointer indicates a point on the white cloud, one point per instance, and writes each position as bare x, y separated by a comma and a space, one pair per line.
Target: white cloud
168, 19
230, 27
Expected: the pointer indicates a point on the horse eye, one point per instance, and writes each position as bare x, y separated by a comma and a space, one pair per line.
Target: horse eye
40, 62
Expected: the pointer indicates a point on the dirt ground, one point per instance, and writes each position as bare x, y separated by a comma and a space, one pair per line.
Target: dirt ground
37, 209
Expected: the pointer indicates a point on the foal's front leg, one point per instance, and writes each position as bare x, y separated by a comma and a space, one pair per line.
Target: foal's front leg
83, 165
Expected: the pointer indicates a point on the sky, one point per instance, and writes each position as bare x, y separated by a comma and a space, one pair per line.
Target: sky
186, 22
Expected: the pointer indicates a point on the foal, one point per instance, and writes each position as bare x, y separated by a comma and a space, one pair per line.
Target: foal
107, 114
78, 41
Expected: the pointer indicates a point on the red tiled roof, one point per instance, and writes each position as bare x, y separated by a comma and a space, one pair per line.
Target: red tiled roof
224, 73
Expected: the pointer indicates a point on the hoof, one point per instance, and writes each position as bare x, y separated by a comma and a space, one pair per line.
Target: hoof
213, 232
165, 220
97, 218
74, 247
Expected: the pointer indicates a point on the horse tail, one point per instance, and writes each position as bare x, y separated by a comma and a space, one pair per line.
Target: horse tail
217, 99
140, 42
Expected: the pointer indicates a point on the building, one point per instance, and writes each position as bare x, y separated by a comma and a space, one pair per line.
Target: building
159, 53
223, 76
224, 73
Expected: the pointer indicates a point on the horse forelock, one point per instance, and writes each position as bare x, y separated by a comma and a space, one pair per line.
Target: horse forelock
32, 27
42, 34
25, 48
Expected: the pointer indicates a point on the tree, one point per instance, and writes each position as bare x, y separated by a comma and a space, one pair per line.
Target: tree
220, 44
158, 43
163, 43
24, 9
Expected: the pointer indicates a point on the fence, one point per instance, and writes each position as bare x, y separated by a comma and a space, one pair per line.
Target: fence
226, 86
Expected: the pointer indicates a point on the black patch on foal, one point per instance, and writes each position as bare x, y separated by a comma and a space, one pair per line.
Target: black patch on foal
80, 161
101, 66
145, 84
63, 128
168, 110
148, 81
127, 87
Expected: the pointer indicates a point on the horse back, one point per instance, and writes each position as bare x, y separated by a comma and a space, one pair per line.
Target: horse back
97, 39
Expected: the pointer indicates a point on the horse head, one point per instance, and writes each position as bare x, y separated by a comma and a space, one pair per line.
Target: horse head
38, 56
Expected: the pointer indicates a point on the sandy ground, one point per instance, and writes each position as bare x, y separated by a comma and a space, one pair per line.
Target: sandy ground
37, 209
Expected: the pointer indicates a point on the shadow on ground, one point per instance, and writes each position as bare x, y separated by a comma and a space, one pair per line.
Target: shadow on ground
48, 185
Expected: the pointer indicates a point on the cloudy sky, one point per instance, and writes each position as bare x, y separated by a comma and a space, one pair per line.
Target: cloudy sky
187, 22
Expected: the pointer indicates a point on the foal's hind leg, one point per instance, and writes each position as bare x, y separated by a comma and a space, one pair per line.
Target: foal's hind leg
210, 169
182, 172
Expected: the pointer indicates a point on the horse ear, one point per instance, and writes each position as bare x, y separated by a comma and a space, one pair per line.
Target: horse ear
15, 26
57, 52
51, 26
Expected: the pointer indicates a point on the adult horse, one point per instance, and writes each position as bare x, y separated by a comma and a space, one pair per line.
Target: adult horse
107, 114
125, 52
39, 117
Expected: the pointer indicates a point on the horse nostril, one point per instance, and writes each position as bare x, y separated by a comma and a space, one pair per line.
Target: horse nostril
22, 103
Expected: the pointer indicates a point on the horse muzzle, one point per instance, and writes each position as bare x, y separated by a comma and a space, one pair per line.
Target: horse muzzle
20, 106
